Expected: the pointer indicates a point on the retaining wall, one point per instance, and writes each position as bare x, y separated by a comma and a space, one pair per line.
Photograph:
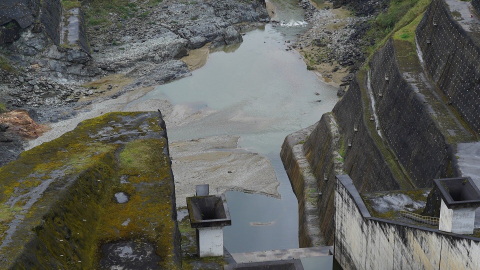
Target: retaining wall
58, 200
363, 159
451, 58
304, 185
365, 242
321, 151
406, 122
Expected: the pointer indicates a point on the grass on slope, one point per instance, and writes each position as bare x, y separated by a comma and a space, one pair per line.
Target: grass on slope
400, 14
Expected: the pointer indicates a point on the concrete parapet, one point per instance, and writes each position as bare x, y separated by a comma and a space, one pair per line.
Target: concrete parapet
304, 186
364, 242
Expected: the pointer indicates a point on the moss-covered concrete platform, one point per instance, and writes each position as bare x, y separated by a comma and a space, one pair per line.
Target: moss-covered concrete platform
75, 202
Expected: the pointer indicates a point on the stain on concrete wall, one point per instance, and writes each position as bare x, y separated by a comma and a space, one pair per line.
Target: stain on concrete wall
363, 242
408, 127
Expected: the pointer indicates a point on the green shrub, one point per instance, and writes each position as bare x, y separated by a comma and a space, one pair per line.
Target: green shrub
5, 65
3, 108
98, 12
69, 4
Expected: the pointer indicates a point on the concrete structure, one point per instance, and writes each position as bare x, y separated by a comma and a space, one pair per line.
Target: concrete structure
297, 258
366, 242
202, 190
277, 265
460, 198
282, 254
208, 215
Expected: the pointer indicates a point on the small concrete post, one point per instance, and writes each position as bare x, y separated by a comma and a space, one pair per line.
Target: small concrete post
202, 190
460, 197
208, 215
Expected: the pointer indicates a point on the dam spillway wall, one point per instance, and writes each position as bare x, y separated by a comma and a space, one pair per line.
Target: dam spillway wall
451, 55
396, 127
365, 242
408, 127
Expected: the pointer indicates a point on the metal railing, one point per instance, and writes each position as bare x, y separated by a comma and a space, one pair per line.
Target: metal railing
420, 218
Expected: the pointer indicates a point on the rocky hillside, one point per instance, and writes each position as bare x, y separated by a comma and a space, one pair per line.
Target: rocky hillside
59, 56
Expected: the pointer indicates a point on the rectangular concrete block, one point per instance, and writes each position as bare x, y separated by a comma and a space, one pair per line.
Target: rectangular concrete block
210, 241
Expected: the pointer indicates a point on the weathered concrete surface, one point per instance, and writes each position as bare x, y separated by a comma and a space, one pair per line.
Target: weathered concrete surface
283, 254
58, 203
73, 31
405, 120
365, 161
363, 242
304, 186
450, 45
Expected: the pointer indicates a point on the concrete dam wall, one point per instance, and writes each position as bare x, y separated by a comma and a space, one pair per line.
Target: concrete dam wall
403, 115
451, 52
365, 242
395, 129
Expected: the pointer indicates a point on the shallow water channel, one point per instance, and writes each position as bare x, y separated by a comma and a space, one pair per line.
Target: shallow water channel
270, 94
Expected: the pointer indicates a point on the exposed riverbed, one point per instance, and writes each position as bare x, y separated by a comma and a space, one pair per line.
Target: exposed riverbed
261, 93
251, 95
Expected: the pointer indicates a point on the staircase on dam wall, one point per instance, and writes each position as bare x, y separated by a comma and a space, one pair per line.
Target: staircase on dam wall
412, 117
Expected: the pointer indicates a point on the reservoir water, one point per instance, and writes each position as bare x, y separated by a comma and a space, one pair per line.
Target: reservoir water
260, 92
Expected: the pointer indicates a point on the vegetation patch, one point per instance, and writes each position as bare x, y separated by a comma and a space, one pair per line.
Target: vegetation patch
400, 14
69, 4
98, 12
3, 108
407, 33
5, 65
78, 212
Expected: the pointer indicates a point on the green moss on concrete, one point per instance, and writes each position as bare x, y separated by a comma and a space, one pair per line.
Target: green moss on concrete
189, 258
65, 226
382, 34
449, 122
396, 168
